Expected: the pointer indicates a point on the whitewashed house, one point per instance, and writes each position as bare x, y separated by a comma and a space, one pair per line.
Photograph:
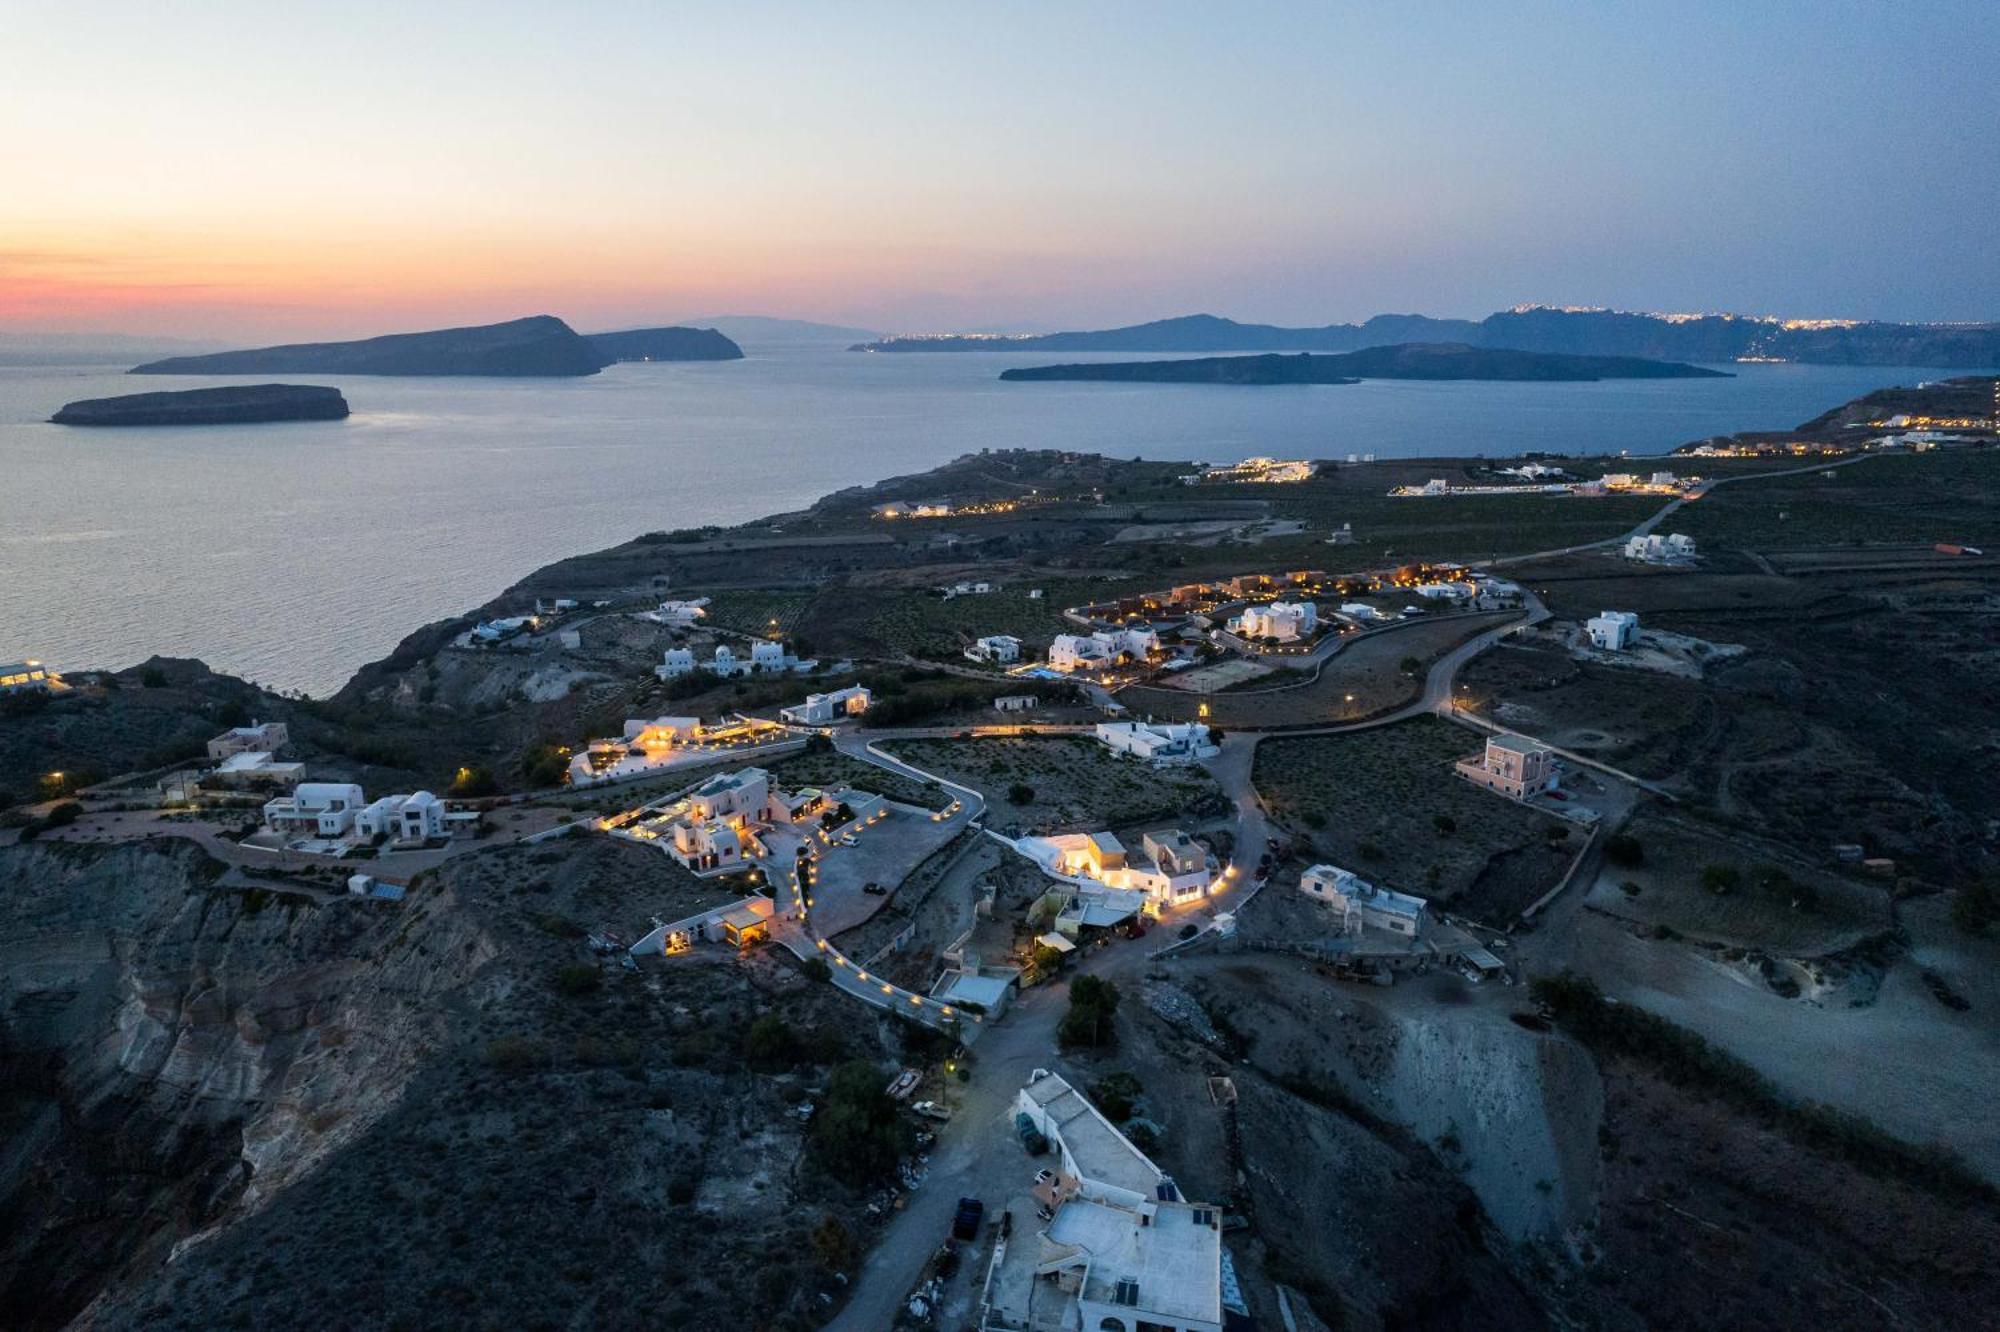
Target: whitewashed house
1159, 743
681, 614
1122, 1251
264, 737
1107, 647
316, 809
825, 709
1674, 548
416, 817
1000, 649
1286, 621
1016, 703
679, 661
1360, 610
1361, 904
1614, 631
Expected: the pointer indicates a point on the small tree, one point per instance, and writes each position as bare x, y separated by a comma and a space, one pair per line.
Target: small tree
1093, 1002
1020, 793
857, 1135
1625, 850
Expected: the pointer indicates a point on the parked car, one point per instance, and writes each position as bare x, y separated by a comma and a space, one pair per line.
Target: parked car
965, 1224
847, 839
873, 888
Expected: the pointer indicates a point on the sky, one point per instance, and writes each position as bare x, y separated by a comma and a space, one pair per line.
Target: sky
240, 171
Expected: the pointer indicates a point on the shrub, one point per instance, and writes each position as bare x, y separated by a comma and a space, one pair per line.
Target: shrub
61, 816
578, 978
1445, 824
1720, 880
770, 1044
1116, 1095
1020, 793
153, 678
815, 968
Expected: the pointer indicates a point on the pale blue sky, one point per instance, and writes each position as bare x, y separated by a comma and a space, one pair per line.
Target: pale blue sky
235, 167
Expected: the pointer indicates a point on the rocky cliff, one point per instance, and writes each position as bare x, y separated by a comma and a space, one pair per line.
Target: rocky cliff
175, 1052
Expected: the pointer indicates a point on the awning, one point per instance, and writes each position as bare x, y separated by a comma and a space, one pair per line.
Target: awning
1057, 942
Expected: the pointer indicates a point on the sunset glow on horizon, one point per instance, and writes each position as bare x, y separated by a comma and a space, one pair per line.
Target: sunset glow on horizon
211, 172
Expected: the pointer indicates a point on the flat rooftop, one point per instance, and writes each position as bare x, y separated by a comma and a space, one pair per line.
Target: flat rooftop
1100, 1151
1177, 1263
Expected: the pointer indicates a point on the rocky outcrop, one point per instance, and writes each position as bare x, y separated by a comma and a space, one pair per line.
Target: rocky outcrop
245, 405
538, 346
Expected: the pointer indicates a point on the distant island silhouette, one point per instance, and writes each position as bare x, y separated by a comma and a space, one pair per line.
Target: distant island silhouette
1411, 360
1537, 328
539, 346
236, 404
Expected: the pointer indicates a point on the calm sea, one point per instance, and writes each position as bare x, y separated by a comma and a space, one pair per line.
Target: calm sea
294, 553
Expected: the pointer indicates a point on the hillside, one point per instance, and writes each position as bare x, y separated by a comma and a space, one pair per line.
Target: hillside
1418, 360
1710, 338
537, 346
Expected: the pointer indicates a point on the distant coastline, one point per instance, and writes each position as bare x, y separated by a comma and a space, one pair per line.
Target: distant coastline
1711, 339
1426, 361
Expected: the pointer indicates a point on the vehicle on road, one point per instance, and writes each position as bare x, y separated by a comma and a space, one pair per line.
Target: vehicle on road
873, 889
965, 1223
931, 1110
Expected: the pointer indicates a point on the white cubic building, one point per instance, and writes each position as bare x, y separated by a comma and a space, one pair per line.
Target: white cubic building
265, 737
825, 709
1158, 743
679, 661
1613, 631
1000, 649
402, 818
1360, 903
1286, 621
1656, 549
1106, 648
316, 809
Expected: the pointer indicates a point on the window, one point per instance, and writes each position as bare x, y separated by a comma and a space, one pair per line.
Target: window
1111, 1325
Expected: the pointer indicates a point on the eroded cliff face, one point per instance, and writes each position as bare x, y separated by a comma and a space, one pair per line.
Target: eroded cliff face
174, 1053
